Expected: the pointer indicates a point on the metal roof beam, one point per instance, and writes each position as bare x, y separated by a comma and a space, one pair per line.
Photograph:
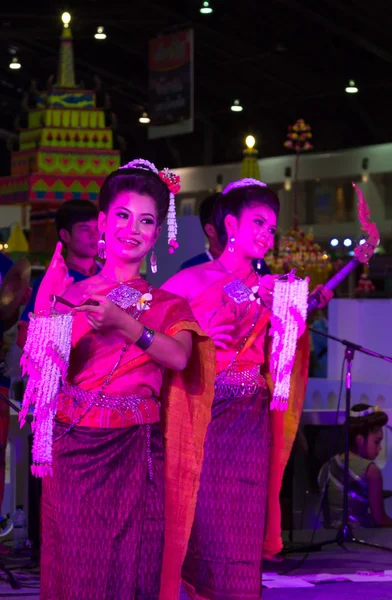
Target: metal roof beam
341, 30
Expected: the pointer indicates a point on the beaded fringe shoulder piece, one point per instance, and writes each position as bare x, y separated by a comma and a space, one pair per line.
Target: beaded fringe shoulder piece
289, 307
45, 360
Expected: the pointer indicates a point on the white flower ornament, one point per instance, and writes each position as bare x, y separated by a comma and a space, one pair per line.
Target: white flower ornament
255, 296
144, 302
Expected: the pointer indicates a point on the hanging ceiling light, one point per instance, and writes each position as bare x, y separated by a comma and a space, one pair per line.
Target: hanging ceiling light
206, 8
100, 34
351, 88
15, 64
145, 119
236, 106
66, 19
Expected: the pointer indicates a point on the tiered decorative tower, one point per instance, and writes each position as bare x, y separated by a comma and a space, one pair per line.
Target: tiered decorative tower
65, 151
250, 165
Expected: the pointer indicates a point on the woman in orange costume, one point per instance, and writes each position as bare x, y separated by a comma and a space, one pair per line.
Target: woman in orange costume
137, 358
246, 449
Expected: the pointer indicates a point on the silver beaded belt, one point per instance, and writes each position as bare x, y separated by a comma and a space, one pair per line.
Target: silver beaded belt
122, 404
234, 383
86, 400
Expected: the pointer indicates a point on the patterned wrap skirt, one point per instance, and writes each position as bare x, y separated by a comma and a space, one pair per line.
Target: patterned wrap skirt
224, 559
102, 516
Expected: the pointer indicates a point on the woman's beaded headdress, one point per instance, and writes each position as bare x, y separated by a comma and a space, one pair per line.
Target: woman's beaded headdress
241, 183
354, 414
173, 183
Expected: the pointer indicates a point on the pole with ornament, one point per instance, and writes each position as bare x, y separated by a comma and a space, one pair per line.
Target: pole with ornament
295, 249
298, 136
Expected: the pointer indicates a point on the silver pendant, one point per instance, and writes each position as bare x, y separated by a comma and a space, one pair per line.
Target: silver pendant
124, 296
237, 291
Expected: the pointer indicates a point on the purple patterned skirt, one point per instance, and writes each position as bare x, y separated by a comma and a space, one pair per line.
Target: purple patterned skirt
224, 559
102, 516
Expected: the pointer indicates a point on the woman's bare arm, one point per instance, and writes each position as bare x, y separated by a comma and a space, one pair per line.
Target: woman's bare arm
376, 500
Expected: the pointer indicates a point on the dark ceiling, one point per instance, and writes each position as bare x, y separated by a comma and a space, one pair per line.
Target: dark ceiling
284, 59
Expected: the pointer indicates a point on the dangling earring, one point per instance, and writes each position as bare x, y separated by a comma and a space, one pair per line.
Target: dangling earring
153, 262
102, 247
231, 244
258, 264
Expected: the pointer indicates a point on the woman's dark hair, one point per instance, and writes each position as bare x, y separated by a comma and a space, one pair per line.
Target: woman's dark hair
206, 210
234, 202
141, 181
365, 425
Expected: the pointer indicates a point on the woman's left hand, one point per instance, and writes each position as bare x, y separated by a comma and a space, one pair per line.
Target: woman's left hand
325, 296
266, 289
106, 315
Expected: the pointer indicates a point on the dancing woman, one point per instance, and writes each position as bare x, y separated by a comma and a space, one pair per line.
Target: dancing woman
233, 305
137, 358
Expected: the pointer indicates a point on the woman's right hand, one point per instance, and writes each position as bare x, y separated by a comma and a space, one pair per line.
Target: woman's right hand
55, 282
221, 335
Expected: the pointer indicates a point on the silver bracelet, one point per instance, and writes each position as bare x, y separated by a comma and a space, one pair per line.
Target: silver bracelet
146, 338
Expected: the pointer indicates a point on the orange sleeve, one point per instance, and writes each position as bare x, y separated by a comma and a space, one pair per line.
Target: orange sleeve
284, 426
187, 400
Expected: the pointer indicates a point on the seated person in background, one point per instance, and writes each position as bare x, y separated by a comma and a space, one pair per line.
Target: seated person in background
77, 228
366, 501
206, 215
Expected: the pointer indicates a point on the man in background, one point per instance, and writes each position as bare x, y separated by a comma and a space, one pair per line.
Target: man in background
77, 229
214, 250
14, 293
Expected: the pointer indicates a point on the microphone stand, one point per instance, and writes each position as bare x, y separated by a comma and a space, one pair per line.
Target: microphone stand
345, 533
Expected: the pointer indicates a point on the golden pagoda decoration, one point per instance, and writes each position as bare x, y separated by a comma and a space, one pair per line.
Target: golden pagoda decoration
66, 71
297, 249
250, 165
17, 242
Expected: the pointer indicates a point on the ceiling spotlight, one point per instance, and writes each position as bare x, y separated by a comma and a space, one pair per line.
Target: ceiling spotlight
236, 106
100, 35
250, 141
66, 19
5, 246
347, 242
334, 242
362, 241
351, 88
206, 8
15, 64
145, 119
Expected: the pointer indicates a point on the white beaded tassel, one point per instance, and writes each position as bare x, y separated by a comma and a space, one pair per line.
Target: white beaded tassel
172, 223
290, 304
45, 360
